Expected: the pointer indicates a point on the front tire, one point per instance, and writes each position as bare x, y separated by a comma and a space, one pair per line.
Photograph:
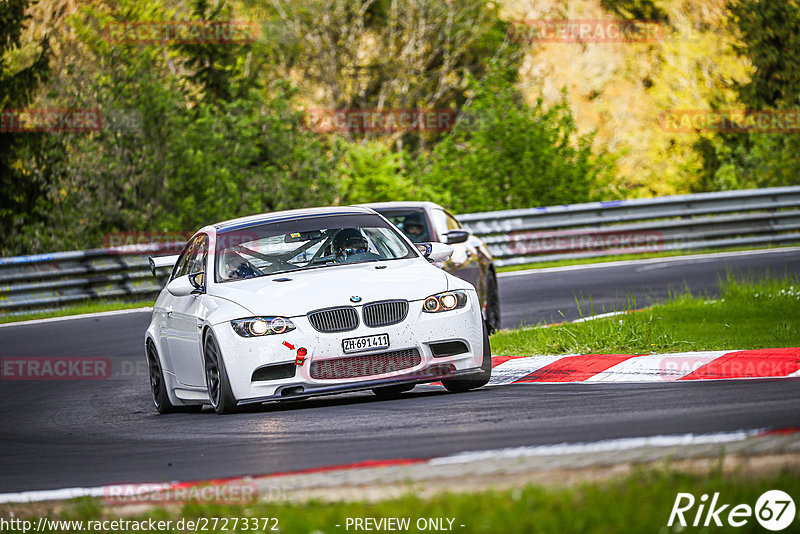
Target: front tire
459, 385
492, 304
219, 386
158, 387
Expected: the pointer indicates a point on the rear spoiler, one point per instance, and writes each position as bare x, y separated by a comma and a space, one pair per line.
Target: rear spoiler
162, 261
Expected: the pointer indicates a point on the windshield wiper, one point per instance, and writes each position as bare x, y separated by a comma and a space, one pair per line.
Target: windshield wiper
306, 268
326, 264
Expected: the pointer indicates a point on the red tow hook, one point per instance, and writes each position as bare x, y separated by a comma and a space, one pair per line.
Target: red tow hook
301, 356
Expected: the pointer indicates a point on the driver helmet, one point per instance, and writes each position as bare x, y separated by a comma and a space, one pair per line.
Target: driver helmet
236, 267
347, 242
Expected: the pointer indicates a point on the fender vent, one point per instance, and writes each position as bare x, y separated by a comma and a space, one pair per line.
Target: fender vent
274, 372
448, 348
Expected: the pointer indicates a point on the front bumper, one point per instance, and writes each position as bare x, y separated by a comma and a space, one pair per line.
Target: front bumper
243, 356
289, 392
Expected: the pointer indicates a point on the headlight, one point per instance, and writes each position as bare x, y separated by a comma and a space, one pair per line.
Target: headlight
449, 300
262, 326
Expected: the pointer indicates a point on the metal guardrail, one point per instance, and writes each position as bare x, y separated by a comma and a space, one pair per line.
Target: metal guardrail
46, 281
684, 222
751, 217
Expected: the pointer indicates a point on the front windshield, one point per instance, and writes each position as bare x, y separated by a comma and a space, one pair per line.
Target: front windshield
286, 246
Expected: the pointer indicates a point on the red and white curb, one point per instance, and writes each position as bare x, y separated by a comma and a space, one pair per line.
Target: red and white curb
684, 366
154, 493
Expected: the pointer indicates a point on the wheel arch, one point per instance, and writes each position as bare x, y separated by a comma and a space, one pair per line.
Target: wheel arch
166, 375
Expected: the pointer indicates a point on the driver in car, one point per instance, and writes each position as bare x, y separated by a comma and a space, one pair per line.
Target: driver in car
414, 228
350, 245
238, 268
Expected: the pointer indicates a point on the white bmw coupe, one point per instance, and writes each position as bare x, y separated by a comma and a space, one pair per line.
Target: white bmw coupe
310, 302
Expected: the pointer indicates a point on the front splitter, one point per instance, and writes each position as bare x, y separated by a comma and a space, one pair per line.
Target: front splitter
315, 391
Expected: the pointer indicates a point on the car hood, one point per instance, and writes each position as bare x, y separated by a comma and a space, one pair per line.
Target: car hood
326, 287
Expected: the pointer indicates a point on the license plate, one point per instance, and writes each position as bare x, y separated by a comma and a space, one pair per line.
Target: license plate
360, 344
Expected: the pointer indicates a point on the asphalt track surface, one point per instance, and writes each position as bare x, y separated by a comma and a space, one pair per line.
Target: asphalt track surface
56, 434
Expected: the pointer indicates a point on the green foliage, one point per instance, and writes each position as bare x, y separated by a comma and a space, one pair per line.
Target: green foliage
196, 133
200, 132
637, 9
78, 308
370, 172
390, 54
243, 157
503, 154
629, 333
770, 41
183, 151
21, 186
746, 161
17, 84
636, 502
216, 70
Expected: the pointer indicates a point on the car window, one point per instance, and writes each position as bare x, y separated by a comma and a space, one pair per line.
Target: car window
193, 259
452, 223
443, 221
307, 244
439, 221
412, 223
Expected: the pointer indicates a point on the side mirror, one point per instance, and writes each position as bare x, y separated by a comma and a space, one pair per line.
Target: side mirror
162, 261
456, 236
187, 285
435, 252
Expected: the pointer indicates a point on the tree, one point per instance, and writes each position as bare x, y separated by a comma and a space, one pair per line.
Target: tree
390, 54
504, 154
20, 78
216, 69
370, 172
769, 36
770, 40
176, 151
637, 9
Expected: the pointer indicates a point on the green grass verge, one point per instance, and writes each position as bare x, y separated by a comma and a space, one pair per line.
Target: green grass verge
89, 306
750, 314
640, 502
628, 257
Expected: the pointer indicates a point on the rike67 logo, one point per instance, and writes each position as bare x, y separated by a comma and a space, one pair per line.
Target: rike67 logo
774, 510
